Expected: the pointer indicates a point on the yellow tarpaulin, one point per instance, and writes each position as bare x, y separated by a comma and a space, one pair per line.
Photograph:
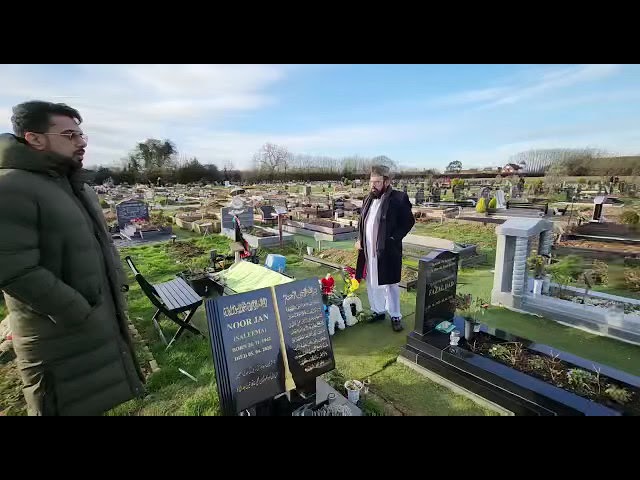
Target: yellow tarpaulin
246, 276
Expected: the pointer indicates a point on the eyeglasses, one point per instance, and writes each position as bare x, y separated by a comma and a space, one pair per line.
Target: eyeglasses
72, 136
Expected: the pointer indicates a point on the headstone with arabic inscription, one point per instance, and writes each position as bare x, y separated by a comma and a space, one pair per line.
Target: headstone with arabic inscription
245, 342
268, 341
436, 295
306, 336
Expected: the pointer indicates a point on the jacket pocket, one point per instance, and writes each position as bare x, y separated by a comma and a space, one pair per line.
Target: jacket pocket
73, 319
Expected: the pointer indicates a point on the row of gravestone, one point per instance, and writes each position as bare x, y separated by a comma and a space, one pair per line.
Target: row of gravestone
130, 210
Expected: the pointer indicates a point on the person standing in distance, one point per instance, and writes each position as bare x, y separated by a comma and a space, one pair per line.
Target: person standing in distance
385, 220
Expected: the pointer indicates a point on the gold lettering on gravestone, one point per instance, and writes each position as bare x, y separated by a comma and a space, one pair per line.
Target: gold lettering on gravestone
307, 329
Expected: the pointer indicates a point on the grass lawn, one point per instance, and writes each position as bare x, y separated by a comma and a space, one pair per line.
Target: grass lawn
484, 236
616, 284
362, 351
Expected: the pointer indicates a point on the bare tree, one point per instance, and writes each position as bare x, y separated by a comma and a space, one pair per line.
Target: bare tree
541, 160
227, 169
272, 157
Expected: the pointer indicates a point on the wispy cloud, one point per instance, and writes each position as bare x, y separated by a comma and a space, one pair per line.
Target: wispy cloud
523, 88
125, 104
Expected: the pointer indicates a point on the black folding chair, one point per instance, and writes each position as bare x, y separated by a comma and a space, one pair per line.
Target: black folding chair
172, 298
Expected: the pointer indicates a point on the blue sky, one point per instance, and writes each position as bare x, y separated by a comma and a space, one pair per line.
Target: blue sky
418, 115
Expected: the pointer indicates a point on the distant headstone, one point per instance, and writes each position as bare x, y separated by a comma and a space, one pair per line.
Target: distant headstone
129, 210
435, 193
238, 209
420, 196
570, 192
437, 282
267, 212
307, 190
457, 192
598, 202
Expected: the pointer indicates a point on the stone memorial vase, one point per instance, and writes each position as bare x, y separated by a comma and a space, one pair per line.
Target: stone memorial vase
537, 286
353, 388
468, 329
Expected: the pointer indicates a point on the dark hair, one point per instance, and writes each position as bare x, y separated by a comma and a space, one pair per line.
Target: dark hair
381, 171
35, 116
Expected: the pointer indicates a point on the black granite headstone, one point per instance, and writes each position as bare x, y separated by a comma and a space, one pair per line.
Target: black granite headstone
420, 196
597, 212
244, 214
437, 281
305, 332
246, 348
247, 333
130, 210
267, 212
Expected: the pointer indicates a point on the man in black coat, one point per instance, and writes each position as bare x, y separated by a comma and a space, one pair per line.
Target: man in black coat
385, 220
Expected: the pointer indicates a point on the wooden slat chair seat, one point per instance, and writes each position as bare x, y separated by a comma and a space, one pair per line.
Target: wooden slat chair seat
175, 299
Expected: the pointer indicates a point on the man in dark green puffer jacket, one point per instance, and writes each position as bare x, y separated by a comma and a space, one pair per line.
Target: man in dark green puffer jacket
60, 273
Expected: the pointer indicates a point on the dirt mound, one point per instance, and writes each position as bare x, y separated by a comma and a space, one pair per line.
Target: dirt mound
184, 250
605, 246
343, 257
350, 257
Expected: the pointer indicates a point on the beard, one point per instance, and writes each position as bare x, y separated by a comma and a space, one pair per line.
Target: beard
77, 158
375, 193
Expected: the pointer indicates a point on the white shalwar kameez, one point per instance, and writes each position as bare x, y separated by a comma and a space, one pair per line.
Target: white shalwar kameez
381, 297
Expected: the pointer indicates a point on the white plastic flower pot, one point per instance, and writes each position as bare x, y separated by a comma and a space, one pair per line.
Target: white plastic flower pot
546, 285
309, 250
353, 388
468, 329
537, 286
